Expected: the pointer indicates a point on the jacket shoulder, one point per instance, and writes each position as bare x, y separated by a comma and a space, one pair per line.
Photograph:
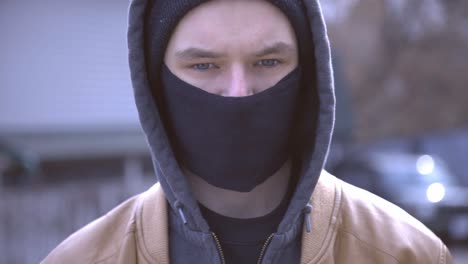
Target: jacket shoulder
101, 239
383, 231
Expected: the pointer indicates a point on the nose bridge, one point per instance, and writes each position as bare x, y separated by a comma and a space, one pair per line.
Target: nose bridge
239, 84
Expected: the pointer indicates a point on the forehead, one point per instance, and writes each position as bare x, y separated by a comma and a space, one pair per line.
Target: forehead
240, 25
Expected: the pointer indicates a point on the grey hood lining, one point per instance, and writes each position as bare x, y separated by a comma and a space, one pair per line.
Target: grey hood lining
170, 175
326, 117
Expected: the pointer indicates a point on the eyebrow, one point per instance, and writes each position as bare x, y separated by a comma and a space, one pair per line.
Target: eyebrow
197, 53
276, 48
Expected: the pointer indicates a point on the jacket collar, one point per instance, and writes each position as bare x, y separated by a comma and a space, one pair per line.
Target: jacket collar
325, 201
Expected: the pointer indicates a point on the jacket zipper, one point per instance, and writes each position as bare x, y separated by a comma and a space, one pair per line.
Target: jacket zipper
218, 244
260, 258
221, 253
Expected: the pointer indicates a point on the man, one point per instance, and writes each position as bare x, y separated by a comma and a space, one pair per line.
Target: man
236, 100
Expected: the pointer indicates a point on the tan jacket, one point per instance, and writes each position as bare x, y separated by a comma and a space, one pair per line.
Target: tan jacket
349, 225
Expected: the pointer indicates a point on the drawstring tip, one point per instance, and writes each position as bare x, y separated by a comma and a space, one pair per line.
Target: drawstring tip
308, 229
182, 215
307, 212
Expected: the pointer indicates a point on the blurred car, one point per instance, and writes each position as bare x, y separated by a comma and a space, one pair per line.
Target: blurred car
420, 184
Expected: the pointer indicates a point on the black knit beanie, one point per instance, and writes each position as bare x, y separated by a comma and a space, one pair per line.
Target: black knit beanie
163, 16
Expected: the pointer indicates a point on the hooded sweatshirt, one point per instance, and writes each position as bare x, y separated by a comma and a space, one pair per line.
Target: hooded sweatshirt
189, 230
326, 221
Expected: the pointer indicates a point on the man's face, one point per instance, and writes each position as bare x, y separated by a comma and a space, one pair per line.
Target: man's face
233, 48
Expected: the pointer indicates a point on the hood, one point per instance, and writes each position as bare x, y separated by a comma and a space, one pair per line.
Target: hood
316, 115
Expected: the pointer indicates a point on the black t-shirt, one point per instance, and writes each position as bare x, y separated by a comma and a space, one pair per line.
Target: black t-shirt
242, 240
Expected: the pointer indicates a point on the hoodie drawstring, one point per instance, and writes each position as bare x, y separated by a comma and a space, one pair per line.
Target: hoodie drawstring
180, 210
307, 211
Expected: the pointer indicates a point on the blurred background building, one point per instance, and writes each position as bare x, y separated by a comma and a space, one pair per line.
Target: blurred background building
70, 141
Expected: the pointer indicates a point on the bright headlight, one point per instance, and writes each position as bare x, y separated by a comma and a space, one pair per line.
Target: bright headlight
435, 192
425, 165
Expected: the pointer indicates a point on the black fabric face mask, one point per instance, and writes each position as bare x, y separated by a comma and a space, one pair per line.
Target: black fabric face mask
234, 143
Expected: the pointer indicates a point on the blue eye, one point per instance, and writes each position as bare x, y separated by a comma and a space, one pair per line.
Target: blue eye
268, 62
203, 66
